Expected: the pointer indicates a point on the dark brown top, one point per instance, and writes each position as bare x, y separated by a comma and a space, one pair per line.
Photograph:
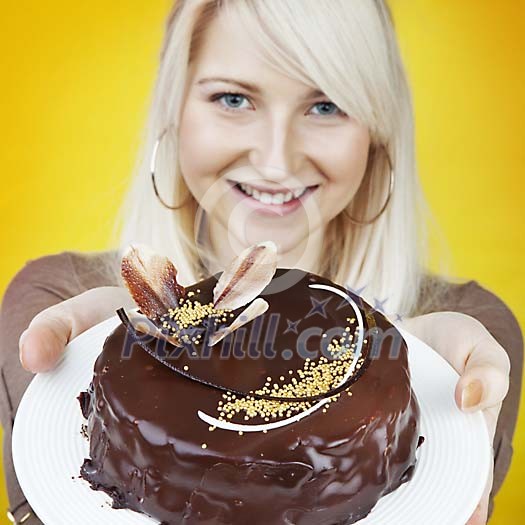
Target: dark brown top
51, 279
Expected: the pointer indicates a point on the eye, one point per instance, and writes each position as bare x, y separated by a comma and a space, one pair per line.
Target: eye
326, 109
228, 100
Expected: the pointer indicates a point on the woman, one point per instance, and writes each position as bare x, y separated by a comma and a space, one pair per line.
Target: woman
290, 121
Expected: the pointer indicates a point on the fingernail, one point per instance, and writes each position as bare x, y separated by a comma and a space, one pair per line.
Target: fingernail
471, 395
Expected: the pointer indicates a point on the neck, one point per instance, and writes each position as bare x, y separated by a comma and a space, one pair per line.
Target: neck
224, 250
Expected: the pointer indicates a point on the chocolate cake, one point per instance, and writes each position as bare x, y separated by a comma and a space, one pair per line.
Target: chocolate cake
258, 395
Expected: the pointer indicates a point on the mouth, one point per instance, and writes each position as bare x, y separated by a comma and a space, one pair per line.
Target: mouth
265, 199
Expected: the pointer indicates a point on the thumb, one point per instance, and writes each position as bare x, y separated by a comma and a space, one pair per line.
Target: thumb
42, 344
484, 381
480, 387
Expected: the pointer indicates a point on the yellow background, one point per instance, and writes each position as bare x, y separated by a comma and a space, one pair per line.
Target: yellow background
76, 77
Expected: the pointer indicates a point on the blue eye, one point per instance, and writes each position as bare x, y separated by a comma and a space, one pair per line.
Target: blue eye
327, 106
235, 99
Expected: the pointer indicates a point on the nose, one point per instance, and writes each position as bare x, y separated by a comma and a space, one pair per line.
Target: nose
275, 153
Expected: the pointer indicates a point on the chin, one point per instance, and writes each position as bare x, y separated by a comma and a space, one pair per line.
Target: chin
286, 239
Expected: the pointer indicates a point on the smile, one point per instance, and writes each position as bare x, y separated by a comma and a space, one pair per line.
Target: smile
274, 199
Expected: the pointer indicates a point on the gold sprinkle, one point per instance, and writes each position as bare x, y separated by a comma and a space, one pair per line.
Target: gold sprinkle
315, 378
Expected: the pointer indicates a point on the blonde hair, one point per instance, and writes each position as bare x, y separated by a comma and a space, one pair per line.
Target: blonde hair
348, 50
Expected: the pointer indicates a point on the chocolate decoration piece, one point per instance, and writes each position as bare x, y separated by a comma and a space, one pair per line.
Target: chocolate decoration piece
152, 453
145, 325
247, 275
151, 279
255, 308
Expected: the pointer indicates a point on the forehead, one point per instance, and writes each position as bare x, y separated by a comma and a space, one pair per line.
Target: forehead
223, 40
227, 50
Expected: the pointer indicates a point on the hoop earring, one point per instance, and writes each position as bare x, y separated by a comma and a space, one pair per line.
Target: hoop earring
153, 163
390, 191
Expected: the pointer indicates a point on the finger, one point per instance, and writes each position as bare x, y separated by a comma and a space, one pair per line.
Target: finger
485, 351
484, 370
481, 386
43, 342
480, 514
491, 418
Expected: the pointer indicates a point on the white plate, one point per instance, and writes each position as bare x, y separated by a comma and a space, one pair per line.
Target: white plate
48, 448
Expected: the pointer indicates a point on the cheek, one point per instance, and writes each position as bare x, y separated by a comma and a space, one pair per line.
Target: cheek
202, 152
344, 167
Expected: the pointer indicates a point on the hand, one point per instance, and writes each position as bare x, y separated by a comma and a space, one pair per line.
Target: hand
43, 342
483, 365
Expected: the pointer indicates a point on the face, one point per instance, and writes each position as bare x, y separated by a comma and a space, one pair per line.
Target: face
264, 155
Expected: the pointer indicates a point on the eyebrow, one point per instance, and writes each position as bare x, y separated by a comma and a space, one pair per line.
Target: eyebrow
252, 87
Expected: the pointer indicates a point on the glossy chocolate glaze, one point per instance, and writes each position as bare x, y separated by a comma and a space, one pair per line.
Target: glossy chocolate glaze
329, 468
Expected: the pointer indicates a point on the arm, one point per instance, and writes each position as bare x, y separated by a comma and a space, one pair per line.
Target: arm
49, 298
39, 284
498, 319
480, 337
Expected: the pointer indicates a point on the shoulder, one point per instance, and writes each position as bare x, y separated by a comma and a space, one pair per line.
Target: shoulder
62, 275
96, 269
495, 314
479, 301
439, 293
53, 272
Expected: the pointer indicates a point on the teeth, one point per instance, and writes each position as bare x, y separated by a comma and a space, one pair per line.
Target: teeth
269, 198
278, 198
